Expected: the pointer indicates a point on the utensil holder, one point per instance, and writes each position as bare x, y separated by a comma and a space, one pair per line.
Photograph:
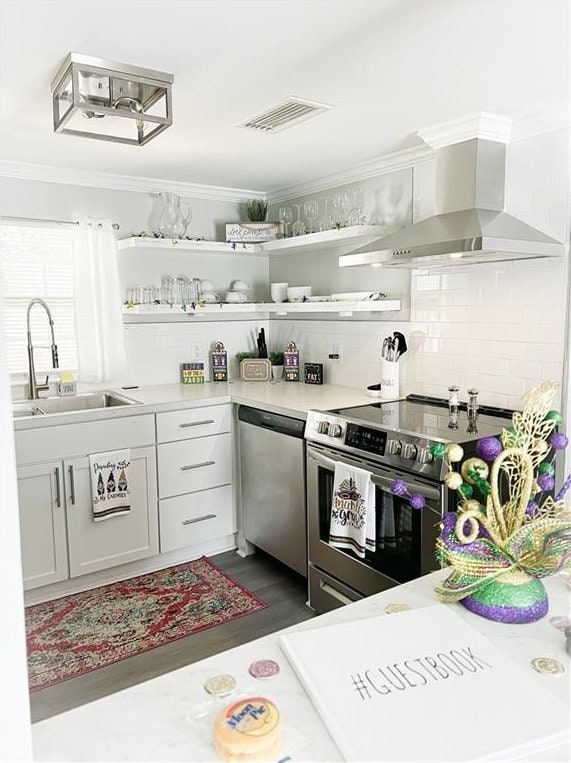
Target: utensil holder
390, 382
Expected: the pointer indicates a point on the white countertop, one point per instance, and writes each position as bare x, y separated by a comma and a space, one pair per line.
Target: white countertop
172, 717
287, 398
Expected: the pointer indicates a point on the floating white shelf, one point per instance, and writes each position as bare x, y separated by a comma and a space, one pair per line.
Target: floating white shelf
344, 307
344, 239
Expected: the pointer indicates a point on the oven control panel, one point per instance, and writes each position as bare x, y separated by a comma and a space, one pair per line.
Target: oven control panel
366, 439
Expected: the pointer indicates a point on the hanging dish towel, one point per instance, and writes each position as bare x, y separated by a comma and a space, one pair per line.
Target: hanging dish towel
352, 510
110, 493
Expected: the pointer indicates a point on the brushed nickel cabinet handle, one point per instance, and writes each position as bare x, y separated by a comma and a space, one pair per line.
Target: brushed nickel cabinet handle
196, 423
198, 519
58, 489
196, 466
71, 486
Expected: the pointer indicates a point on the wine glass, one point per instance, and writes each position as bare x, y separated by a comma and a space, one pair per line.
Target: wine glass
355, 215
186, 215
326, 221
285, 216
310, 212
341, 204
298, 228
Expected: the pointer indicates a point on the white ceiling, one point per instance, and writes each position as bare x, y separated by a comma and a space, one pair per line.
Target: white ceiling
389, 67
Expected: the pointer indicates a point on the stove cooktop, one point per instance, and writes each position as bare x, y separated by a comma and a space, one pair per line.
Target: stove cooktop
429, 418
400, 433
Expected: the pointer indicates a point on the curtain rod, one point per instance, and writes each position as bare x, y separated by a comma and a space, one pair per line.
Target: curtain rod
115, 226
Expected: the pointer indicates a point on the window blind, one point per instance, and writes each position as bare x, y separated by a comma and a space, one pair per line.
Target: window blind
37, 262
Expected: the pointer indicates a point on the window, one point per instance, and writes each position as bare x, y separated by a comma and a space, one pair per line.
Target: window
37, 262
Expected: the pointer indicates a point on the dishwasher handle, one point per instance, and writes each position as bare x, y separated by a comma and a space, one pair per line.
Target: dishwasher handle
273, 421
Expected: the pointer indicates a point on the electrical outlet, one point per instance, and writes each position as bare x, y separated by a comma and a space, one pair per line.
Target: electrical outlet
197, 351
335, 352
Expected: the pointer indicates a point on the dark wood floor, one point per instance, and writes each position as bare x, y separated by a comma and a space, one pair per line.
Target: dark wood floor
283, 590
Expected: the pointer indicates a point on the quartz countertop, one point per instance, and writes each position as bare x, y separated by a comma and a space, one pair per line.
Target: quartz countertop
172, 717
287, 398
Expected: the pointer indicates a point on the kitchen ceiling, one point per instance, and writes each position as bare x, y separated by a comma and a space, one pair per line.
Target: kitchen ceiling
388, 68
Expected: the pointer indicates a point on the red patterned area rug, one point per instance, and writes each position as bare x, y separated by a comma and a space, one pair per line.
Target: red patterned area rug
82, 632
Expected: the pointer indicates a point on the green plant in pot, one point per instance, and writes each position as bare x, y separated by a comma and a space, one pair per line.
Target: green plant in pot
256, 210
277, 362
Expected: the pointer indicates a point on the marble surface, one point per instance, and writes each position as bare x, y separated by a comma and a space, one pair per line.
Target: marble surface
287, 398
172, 717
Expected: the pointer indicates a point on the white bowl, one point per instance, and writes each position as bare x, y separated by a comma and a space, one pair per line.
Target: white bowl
239, 286
210, 296
236, 296
206, 286
297, 293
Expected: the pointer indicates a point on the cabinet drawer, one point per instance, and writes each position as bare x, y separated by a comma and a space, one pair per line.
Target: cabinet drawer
191, 465
196, 422
195, 518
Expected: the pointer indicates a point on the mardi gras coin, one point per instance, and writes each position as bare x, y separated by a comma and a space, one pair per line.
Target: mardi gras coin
547, 666
264, 669
392, 608
221, 685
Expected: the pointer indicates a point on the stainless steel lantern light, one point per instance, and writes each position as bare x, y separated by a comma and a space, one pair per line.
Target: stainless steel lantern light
101, 99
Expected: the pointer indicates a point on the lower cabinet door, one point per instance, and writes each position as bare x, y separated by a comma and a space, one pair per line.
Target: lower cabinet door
116, 540
42, 524
196, 517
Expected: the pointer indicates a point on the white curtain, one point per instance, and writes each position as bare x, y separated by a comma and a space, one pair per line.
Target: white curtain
99, 319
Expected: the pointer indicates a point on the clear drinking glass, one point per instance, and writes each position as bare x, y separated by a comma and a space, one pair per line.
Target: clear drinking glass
341, 205
310, 212
355, 214
167, 285
285, 216
326, 221
298, 228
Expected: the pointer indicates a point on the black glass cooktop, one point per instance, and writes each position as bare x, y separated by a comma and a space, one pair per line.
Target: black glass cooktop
430, 418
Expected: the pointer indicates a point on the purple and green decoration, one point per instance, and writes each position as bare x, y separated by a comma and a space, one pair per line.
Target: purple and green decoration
508, 531
400, 489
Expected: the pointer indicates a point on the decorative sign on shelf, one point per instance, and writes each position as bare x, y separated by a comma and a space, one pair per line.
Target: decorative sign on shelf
313, 373
192, 373
255, 369
291, 363
219, 362
253, 233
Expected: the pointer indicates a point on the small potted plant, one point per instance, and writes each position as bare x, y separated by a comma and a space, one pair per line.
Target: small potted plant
256, 230
277, 361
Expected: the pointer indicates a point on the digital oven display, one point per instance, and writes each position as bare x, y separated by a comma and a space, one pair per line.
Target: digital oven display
363, 438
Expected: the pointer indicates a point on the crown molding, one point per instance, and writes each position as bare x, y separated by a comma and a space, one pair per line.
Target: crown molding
68, 176
397, 160
483, 125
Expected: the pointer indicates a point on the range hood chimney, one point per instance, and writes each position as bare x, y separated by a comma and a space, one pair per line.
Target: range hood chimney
470, 224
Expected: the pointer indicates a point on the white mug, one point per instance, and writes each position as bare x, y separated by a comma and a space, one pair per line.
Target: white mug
279, 291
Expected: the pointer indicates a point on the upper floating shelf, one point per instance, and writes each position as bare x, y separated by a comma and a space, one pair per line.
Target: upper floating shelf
344, 239
345, 307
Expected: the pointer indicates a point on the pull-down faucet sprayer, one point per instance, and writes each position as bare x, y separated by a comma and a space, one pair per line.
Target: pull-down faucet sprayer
33, 387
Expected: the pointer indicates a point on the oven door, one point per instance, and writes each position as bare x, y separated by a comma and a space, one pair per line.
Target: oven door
405, 537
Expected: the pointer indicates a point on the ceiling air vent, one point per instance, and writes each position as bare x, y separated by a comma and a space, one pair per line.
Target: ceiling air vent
291, 112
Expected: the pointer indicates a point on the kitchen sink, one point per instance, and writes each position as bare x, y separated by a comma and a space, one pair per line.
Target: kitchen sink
73, 404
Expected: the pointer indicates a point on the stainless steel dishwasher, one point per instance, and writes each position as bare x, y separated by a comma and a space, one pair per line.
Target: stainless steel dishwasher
272, 465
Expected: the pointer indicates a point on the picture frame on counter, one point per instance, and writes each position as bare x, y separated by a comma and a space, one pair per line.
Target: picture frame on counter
313, 373
255, 369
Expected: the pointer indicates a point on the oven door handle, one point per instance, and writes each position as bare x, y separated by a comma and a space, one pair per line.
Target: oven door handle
383, 482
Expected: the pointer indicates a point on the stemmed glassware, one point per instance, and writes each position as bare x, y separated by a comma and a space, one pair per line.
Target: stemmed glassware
285, 216
298, 228
341, 205
355, 215
310, 212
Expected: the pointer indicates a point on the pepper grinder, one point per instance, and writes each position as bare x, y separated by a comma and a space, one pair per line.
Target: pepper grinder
473, 403
453, 406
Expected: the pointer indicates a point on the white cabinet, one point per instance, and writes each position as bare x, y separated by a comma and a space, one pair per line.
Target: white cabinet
59, 538
42, 524
195, 468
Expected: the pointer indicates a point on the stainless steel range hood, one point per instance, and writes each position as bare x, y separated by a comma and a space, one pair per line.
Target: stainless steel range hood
470, 225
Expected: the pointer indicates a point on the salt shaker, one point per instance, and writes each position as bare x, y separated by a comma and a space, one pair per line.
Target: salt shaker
453, 400
473, 403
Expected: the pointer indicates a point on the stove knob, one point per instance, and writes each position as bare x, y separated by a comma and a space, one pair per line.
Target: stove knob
335, 430
409, 451
425, 456
323, 427
394, 447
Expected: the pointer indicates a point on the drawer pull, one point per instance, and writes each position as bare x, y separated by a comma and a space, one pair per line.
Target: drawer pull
71, 485
198, 519
196, 423
196, 466
58, 489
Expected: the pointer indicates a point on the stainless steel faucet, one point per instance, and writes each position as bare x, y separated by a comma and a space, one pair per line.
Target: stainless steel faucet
33, 386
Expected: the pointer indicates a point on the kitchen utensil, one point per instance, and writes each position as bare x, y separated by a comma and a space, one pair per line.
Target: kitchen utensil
262, 347
401, 343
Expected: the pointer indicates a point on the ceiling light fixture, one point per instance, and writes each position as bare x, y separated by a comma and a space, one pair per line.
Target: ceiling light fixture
105, 100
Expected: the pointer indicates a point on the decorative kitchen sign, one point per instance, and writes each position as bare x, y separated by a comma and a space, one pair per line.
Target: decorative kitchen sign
255, 369
291, 363
313, 373
219, 362
110, 492
252, 233
421, 685
192, 373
